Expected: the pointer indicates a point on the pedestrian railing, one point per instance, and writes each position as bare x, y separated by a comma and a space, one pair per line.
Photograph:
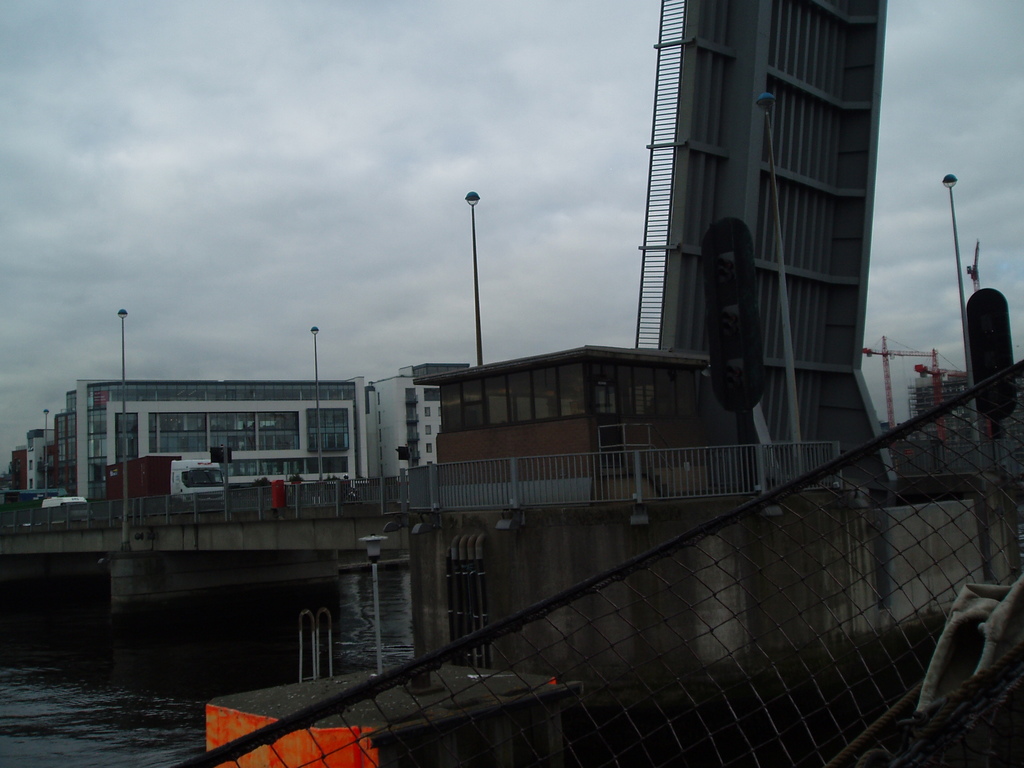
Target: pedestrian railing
614, 476
534, 481
308, 499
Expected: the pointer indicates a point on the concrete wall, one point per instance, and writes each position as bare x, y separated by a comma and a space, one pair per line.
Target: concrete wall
181, 534
817, 575
141, 581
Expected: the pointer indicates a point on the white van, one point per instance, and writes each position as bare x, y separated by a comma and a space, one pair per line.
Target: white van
195, 476
60, 501
75, 507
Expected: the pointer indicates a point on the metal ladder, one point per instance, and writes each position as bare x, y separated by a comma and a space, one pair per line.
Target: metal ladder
306, 616
662, 172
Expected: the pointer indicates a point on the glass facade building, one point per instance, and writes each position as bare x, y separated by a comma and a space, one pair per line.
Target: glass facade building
274, 428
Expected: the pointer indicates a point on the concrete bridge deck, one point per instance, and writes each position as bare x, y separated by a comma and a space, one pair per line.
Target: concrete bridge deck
182, 556
316, 529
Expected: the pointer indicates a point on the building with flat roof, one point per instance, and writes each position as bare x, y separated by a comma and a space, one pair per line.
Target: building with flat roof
270, 426
580, 400
404, 414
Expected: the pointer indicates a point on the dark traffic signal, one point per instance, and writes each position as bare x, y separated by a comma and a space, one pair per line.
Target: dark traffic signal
732, 319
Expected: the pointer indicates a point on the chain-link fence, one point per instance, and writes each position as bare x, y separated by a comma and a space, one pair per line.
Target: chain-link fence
810, 625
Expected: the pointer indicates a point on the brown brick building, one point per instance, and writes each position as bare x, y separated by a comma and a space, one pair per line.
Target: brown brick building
577, 401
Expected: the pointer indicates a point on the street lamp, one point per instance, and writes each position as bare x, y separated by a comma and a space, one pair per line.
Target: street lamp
473, 198
949, 181
767, 101
319, 437
125, 544
373, 555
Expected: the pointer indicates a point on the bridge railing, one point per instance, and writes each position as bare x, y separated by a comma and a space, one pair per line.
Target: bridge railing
614, 476
511, 483
311, 498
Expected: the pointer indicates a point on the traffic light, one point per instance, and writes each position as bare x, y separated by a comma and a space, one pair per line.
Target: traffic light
732, 319
220, 455
988, 328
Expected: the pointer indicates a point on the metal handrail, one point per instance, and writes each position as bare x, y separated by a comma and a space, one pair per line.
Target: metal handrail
315, 620
509, 483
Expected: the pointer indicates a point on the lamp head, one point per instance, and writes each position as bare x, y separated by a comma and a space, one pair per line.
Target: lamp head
314, 330
373, 546
472, 198
949, 181
765, 101
122, 313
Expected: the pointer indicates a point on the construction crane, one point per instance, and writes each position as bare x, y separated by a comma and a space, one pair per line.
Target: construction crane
937, 373
972, 272
886, 353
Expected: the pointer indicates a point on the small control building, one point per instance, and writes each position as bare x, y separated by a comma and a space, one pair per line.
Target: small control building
581, 400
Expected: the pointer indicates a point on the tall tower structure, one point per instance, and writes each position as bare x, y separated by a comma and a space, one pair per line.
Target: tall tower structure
710, 159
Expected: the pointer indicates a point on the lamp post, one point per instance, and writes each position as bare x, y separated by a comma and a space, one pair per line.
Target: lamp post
767, 101
319, 437
949, 181
473, 198
373, 555
125, 543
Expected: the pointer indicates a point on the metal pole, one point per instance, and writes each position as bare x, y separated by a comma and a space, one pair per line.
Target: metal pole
950, 181
373, 555
473, 198
319, 436
376, 618
125, 542
767, 101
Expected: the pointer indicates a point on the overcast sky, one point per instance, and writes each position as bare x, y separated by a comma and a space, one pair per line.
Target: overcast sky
233, 172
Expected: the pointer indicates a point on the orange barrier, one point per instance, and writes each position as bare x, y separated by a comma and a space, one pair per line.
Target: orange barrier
331, 747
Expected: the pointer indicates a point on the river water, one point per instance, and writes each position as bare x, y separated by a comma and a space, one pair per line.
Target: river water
80, 689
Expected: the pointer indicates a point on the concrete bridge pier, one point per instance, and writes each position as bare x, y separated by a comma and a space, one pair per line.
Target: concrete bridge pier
141, 581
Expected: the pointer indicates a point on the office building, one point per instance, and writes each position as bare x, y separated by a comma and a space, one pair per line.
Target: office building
270, 426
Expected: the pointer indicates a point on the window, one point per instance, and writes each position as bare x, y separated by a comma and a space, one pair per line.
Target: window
426, 429
430, 448
426, 410
472, 403
333, 427
545, 393
278, 431
570, 390
236, 430
496, 394
519, 395
133, 434
643, 391
177, 432
604, 389
451, 406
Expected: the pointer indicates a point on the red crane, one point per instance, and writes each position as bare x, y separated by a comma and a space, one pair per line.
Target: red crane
886, 353
972, 272
937, 374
